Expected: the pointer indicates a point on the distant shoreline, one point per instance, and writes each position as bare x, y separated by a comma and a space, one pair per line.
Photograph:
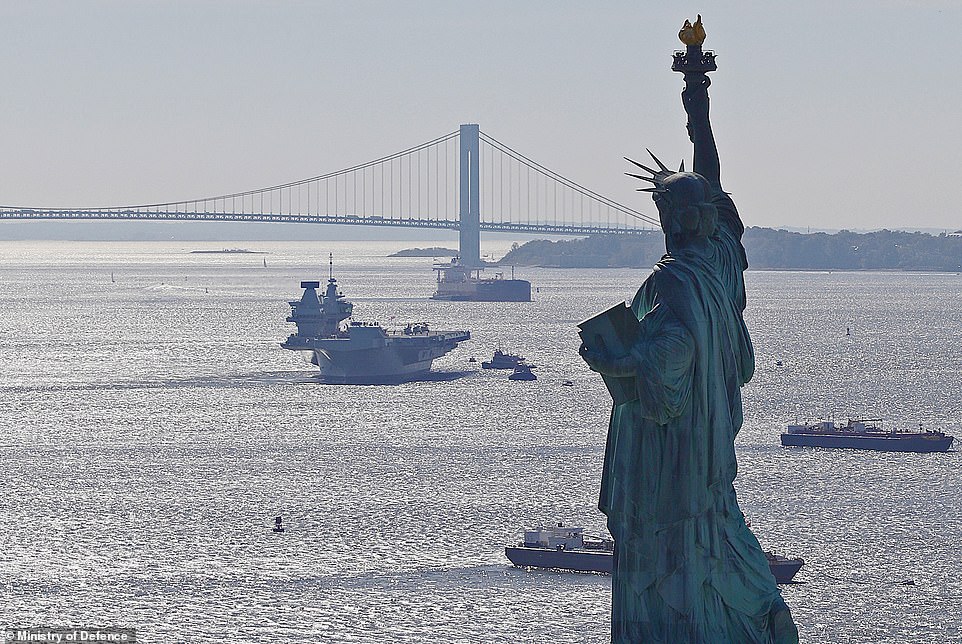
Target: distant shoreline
228, 251
434, 251
766, 249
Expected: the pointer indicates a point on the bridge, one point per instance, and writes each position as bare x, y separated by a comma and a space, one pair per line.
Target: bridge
465, 180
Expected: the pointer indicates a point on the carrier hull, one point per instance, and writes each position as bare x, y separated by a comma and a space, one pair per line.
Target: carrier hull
378, 358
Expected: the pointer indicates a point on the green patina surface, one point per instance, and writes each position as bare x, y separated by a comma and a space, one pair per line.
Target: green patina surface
687, 568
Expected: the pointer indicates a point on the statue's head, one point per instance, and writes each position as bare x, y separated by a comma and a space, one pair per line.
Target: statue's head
684, 204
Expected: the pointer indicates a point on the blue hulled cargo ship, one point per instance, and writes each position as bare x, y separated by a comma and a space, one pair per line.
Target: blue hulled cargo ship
458, 282
568, 548
864, 434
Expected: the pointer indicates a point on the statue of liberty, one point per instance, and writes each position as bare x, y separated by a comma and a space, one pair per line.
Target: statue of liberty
686, 567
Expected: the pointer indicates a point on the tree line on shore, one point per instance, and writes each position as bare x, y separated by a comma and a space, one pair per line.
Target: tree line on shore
766, 248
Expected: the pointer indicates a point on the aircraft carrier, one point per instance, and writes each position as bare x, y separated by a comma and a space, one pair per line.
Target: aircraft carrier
357, 352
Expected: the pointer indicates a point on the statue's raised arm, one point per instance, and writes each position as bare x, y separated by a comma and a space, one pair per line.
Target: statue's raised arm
695, 99
695, 65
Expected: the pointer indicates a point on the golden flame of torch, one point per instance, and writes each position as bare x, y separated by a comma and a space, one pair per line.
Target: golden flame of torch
692, 34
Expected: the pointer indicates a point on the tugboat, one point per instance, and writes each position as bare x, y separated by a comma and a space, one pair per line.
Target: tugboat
523, 372
860, 434
502, 360
568, 548
361, 352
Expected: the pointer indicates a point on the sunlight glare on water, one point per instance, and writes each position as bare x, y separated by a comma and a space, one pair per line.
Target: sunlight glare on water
153, 429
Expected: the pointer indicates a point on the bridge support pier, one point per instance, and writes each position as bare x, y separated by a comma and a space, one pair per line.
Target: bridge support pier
470, 207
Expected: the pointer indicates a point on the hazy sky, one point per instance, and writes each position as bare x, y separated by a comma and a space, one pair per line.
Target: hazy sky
827, 114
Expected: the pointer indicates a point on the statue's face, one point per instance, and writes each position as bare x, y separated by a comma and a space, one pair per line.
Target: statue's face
663, 203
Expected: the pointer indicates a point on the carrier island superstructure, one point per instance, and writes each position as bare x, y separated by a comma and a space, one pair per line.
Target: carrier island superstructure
350, 351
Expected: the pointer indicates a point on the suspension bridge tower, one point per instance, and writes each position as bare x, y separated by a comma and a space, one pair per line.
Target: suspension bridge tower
470, 207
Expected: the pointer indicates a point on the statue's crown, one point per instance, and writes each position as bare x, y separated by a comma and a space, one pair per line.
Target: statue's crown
658, 177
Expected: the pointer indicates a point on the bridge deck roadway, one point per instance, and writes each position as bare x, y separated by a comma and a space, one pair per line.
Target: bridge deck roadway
352, 220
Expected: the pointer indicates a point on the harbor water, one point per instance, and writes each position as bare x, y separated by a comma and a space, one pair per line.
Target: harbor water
152, 428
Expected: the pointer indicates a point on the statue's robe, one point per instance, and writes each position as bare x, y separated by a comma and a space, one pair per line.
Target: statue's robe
687, 568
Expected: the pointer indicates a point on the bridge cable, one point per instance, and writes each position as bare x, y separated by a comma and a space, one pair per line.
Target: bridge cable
567, 182
259, 191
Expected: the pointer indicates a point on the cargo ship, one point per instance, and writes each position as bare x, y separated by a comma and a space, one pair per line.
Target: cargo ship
568, 548
359, 352
864, 434
457, 282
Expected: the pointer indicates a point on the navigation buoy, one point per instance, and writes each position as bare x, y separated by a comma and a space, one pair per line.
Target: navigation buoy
277, 525
848, 331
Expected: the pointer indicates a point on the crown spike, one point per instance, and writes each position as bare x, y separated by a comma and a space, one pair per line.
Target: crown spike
633, 162
644, 167
660, 164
